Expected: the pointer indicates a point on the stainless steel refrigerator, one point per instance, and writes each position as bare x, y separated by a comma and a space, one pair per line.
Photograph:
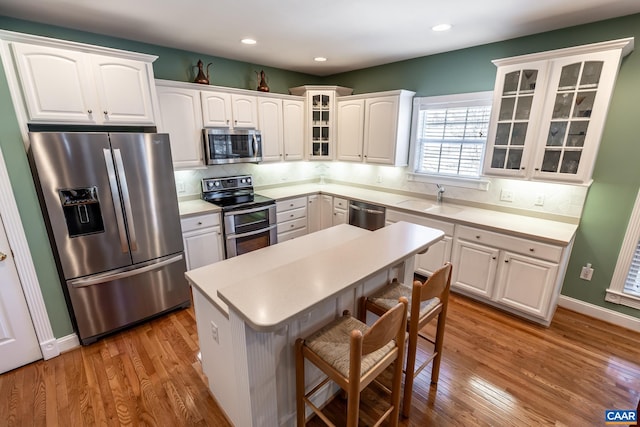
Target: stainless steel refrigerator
112, 210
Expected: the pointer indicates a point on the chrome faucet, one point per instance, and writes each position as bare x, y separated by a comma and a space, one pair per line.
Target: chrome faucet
440, 192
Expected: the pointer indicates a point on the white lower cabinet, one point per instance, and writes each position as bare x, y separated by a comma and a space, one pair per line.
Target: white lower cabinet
340, 211
519, 275
291, 218
202, 238
438, 253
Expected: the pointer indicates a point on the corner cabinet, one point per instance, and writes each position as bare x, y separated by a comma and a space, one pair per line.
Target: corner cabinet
549, 111
67, 85
375, 128
320, 119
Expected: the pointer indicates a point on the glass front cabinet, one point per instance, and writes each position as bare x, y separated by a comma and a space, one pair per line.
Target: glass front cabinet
549, 111
320, 119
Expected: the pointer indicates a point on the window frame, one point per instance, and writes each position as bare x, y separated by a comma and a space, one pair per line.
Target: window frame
615, 292
446, 101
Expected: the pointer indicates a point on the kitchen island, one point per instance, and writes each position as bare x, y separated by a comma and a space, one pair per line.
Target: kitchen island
250, 309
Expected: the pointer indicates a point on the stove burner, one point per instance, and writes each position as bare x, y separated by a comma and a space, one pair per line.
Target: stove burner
233, 193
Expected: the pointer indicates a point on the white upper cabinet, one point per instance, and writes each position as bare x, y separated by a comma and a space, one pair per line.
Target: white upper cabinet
350, 129
293, 130
320, 119
281, 123
270, 123
549, 111
375, 128
181, 118
63, 85
222, 109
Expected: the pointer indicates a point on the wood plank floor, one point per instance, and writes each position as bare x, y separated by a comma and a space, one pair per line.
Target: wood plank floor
497, 370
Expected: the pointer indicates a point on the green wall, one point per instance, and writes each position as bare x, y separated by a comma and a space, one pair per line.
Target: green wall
608, 205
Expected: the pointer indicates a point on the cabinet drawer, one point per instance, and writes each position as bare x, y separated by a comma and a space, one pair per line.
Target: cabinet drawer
292, 225
292, 214
340, 203
510, 243
283, 237
285, 205
395, 216
200, 221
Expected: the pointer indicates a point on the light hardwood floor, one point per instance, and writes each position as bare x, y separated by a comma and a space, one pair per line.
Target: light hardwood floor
497, 370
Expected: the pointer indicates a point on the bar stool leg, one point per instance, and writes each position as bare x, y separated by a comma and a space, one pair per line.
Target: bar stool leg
435, 368
409, 375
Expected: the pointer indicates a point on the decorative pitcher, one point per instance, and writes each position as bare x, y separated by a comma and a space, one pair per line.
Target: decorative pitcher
262, 85
201, 78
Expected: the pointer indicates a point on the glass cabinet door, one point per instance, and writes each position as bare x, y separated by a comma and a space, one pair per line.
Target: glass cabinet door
574, 103
321, 122
515, 105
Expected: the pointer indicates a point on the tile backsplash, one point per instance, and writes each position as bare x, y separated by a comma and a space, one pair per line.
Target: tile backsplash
536, 197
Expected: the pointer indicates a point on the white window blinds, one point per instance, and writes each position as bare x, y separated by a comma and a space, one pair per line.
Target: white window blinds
632, 284
451, 136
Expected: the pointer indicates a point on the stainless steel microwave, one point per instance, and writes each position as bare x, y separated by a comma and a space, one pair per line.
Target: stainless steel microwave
222, 145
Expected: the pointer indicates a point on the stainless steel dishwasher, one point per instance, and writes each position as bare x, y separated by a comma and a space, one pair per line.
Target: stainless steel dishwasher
366, 215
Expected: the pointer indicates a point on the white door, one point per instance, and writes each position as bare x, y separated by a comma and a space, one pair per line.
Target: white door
18, 341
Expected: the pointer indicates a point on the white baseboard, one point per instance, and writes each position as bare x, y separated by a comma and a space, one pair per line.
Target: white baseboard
68, 342
600, 313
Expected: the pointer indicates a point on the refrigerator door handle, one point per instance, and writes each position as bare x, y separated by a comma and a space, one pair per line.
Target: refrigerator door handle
122, 273
115, 195
126, 199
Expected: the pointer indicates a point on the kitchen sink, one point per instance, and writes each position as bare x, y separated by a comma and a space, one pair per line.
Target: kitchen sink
418, 205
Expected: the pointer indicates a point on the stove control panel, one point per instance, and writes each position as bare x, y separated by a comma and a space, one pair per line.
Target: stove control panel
227, 183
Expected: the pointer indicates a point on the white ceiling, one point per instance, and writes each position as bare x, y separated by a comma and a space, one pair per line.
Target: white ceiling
290, 33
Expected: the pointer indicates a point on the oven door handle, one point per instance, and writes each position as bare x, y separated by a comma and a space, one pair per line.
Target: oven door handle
251, 233
246, 211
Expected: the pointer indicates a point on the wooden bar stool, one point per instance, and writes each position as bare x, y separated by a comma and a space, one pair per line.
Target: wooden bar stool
352, 355
427, 301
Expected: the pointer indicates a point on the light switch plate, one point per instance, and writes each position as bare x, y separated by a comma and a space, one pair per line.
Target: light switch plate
506, 195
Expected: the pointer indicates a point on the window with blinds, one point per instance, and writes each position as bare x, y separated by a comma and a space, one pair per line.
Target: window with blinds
451, 137
632, 284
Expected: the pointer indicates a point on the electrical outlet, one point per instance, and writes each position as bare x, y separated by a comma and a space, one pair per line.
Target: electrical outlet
506, 195
587, 272
379, 178
539, 199
180, 186
214, 333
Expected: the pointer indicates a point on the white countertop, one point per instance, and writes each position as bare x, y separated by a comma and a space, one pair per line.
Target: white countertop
545, 230
272, 285
196, 207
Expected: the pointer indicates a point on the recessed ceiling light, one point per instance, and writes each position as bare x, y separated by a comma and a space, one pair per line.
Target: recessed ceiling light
320, 59
248, 41
441, 27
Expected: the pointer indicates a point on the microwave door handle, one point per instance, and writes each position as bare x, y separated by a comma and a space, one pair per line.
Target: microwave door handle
115, 195
125, 198
255, 145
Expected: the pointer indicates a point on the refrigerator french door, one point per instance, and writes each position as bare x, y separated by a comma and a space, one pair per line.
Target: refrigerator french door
113, 219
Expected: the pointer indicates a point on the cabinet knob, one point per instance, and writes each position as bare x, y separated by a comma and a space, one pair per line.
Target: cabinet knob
291, 216
532, 250
506, 260
199, 222
291, 226
3, 256
536, 169
90, 111
106, 113
493, 257
477, 237
522, 168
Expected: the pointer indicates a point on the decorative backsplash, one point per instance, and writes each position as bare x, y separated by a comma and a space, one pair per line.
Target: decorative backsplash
557, 199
